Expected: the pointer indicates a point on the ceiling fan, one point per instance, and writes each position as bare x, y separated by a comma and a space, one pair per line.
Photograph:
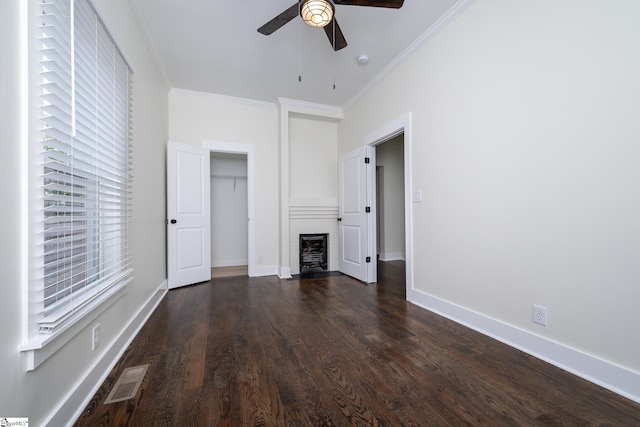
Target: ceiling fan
320, 13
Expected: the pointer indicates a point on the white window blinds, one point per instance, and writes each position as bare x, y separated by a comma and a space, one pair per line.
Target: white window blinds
84, 144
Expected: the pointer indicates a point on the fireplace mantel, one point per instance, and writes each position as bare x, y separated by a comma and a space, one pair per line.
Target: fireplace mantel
310, 216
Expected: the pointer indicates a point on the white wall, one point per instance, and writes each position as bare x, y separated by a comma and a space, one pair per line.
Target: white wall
58, 387
195, 117
525, 147
390, 155
11, 370
229, 211
313, 167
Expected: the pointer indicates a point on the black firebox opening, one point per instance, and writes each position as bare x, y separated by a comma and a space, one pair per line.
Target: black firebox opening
314, 252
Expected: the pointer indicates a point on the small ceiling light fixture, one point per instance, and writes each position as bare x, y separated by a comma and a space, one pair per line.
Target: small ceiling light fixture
317, 13
363, 59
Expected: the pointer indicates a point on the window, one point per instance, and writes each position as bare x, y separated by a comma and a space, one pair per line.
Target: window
79, 149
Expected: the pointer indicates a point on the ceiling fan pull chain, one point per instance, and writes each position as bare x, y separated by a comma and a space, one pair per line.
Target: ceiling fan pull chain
334, 53
299, 45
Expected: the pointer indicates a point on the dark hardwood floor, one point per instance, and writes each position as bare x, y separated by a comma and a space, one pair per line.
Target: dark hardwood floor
332, 351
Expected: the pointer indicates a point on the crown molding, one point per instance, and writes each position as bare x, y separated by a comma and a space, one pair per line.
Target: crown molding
223, 98
310, 108
434, 29
146, 34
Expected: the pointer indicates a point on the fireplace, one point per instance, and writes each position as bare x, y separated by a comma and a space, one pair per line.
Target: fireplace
314, 252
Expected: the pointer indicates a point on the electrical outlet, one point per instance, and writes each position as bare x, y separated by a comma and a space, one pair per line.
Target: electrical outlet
95, 337
540, 315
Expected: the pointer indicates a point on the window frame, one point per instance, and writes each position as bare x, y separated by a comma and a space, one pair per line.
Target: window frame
38, 346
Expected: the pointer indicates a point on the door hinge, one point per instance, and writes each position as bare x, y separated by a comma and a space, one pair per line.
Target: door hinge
367, 160
368, 259
367, 209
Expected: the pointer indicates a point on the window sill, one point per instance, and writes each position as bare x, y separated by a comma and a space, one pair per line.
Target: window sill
42, 346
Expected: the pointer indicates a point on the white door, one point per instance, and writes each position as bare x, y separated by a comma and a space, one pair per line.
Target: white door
188, 215
353, 216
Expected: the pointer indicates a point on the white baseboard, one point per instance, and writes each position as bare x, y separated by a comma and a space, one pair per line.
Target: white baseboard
265, 270
284, 272
618, 379
77, 400
230, 263
392, 256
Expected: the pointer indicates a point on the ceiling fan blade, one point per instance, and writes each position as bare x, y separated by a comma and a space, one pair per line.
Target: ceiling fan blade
277, 22
392, 4
329, 30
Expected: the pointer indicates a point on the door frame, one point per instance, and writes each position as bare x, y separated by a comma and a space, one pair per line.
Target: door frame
248, 150
393, 128
379, 218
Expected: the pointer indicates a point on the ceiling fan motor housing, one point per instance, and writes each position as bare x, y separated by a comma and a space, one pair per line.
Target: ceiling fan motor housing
317, 13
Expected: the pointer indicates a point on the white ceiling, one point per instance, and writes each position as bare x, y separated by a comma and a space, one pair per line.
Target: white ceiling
213, 46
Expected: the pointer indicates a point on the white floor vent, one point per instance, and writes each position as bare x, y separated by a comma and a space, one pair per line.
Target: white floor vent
128, 384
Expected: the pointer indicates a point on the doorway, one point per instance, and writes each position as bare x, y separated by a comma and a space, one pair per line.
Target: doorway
229, 214
400, 209
189, 211
237, 171
390, 210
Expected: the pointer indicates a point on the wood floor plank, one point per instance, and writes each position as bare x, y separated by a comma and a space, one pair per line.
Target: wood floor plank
331, 351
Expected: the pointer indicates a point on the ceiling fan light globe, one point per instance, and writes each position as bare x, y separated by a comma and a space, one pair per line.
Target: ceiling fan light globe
316, 13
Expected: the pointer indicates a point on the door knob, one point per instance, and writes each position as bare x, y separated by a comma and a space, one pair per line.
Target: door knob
339, 219
173, 221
